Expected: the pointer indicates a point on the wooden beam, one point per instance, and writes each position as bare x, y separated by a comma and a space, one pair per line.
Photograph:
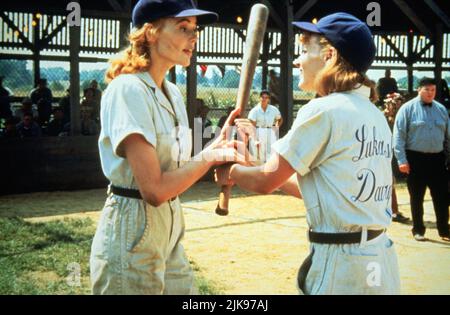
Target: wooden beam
115, 5
305, 8
44, 42
75, 39
240, 33
273, 13
13, 26
286, 78
51, 58
419, 54
413, 17
438, 11
439, 38
394, 48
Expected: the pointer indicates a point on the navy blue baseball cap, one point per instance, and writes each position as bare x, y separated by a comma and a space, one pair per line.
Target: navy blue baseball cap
151, 10
350, 36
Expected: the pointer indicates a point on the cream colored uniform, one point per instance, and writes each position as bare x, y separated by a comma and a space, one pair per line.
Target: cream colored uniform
266, 133
136, 248
341, 148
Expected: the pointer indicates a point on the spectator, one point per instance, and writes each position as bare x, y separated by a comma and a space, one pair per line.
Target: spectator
274, 87
56, 125
5, 101
421, 144
97, 96
202, 112
264, 117
64, 103
10, 130
42, 97
89, 100
27, 107
386, 85
89, 127
28, 128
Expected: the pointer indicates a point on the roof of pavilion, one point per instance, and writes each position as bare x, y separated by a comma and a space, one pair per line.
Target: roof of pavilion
398, 16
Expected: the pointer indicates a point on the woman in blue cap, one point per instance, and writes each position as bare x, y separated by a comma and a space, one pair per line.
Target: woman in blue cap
337, 157
145, 147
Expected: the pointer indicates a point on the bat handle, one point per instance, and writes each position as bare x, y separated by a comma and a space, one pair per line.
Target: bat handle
224, 198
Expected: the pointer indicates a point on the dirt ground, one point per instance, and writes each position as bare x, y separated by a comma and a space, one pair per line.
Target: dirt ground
259, 246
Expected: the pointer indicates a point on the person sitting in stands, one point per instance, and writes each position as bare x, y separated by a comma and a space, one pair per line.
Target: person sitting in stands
56, 125
28, 128
42, 97
27, 107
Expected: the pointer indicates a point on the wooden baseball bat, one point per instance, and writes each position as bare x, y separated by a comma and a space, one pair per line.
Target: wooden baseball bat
255, 34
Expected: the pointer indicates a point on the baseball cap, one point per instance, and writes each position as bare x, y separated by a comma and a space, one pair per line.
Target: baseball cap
350, 36
151, 10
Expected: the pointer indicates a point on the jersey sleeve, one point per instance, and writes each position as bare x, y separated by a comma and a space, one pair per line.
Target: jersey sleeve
128, 109
304, 146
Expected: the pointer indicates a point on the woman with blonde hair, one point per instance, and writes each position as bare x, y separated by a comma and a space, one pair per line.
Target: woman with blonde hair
337, 157
145, 152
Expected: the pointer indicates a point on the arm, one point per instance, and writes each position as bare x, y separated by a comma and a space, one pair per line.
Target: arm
399, 136
156, 186
290, 187
263, 179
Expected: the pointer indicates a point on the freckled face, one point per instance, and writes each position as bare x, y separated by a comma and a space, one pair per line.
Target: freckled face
176, 41
310, 63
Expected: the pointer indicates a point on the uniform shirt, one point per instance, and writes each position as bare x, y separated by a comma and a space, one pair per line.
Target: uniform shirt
133, 103
263, 118
341, 148
420, 128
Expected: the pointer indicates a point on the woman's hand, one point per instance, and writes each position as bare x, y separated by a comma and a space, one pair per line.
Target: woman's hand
246, 127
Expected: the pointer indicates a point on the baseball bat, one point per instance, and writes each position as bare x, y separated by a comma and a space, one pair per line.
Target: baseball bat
256, 29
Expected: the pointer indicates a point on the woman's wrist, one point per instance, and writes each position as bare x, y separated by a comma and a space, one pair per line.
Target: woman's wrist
232, 171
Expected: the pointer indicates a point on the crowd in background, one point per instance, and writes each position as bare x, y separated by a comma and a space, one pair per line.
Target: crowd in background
40, 114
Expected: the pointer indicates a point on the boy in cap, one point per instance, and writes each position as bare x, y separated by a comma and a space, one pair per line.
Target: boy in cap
338, 155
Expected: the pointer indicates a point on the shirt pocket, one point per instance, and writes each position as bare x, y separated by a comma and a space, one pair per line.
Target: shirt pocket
417, 125
440, 124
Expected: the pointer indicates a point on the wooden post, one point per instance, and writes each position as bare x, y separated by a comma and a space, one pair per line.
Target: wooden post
286, 80
36, 50
124, 28
191, 89
438, 47
74, 48
409, 64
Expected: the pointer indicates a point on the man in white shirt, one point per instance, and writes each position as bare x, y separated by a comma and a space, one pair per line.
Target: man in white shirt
267, 119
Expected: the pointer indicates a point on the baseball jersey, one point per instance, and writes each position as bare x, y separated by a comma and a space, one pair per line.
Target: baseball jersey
263, 118
341, 148
133, 103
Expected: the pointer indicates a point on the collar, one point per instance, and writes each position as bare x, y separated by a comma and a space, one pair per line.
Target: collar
424, 104
168, 104
362, 90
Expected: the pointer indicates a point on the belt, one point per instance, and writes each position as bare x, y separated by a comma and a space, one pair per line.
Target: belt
342, 238
129, 193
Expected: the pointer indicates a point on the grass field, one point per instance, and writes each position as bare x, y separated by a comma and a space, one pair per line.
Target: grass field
53, 257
